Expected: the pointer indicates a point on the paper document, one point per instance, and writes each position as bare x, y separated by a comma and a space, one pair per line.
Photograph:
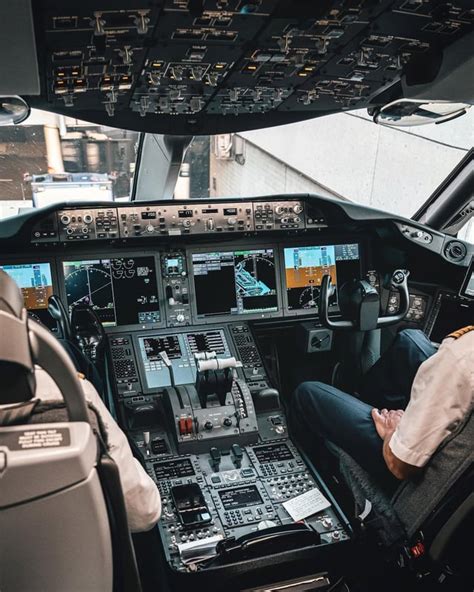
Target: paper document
306, 504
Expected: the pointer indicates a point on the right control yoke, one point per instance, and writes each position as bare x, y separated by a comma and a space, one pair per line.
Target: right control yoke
360, 302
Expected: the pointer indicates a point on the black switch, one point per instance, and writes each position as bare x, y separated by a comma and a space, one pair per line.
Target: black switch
215, 461
237, 454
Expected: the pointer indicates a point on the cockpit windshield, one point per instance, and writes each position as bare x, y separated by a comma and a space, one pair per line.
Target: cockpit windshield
52, 158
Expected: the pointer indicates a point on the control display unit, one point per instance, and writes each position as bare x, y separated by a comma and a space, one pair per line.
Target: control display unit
234, 282
240, 497
467, 288
123, 290
36, 284
305, 267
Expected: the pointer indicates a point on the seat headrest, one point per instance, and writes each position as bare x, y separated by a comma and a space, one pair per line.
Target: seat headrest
16, 362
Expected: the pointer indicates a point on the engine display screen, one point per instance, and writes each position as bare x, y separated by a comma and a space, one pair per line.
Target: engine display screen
273, 453
305, 267
235, 282
123, 291
36, 284
174, 469
240, 497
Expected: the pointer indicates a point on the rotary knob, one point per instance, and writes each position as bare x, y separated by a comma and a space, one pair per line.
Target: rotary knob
297, 208
88, 218
227, 422
65, 219
231, 221
150, 229
208, 426
180, 318
279, 210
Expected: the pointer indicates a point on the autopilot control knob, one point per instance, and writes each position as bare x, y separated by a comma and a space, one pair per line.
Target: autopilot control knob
227, 422
231, 221
180, 318
208, 426
150, 228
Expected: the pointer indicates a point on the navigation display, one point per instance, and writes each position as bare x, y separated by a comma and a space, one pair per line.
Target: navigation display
235, 282
123, 291
305, 267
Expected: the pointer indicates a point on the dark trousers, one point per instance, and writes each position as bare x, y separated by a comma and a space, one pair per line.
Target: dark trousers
324, 413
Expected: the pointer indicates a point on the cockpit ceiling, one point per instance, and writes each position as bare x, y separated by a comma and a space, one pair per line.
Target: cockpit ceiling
194, 66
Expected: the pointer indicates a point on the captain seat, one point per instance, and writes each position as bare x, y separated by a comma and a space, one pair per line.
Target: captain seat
63, 521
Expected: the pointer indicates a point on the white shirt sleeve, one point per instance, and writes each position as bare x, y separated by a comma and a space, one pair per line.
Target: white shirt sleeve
441, 396
142, 499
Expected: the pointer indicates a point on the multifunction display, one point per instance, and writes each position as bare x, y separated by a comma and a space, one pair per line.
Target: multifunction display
273, 453
123, 291
306, 266
240, 497
235, 282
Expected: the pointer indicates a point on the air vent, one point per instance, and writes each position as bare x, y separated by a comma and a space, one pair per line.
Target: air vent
455, 250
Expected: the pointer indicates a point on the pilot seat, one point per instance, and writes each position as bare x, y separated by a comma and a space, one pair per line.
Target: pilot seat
63, 521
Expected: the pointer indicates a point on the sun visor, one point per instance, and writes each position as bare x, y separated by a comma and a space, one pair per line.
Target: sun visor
453, 82
18, 60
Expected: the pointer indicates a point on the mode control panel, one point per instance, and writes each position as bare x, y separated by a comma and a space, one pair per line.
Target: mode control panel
175, 220
175, 278
86, 224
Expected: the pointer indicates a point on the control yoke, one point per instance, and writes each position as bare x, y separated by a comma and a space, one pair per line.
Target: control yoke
361, 303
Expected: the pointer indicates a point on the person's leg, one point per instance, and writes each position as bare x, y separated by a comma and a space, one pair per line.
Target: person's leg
388, 382
319, 411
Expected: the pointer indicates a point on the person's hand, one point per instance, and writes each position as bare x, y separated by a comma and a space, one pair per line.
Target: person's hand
386, 422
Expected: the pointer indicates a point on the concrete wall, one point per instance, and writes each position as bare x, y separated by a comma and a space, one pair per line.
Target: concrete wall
391, 169
260, 174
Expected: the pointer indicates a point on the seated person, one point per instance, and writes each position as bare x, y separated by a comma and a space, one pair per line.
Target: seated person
414, 398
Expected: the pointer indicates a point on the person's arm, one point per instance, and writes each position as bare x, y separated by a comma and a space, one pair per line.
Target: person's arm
142, 498
386, 422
